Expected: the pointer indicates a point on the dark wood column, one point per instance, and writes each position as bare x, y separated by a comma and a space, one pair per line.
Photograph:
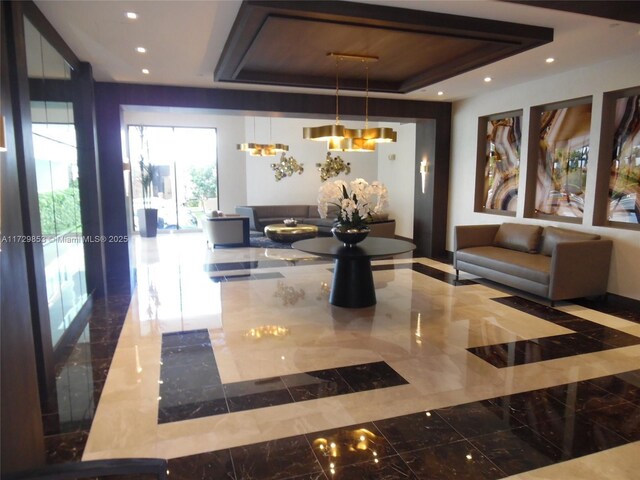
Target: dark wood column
22, 441
433, 138
89, 182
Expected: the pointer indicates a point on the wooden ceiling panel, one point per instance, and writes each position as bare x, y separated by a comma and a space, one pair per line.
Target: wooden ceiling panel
286, 43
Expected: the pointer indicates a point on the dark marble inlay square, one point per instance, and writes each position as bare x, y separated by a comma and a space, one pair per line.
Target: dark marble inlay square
536, 309
190, 385
181, 339
417, 431
531, 407
205, 408
624, 420
351, 445
478, 418
284, 458
584, 396
212, 465
625, 385
318, 384
251, 394
389, 468
621, 307
437, 274
370, 376
458, 460
614, 338
517, 450
576, 436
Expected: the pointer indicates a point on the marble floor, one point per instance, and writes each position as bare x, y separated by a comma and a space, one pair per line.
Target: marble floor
232, 364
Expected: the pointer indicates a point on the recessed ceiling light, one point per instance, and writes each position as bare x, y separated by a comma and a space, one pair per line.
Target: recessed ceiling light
141, 50
550, 60
440, 93
487, 79
145, 71
131, 15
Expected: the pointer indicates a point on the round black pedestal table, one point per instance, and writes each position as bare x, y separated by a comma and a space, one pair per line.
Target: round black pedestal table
352, 285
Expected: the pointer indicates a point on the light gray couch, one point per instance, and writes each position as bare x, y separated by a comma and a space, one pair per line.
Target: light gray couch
554, 263
262, 215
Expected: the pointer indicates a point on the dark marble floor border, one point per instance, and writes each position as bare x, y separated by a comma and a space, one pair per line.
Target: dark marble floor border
587, 337
190, 384
487, 439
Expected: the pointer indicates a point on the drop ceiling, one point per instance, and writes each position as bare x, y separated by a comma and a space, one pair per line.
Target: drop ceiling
185, 42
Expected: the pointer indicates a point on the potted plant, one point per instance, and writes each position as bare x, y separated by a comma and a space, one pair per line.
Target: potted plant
147, 216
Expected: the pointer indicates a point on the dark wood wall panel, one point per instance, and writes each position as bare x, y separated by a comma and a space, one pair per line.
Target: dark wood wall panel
22, 441
429, 232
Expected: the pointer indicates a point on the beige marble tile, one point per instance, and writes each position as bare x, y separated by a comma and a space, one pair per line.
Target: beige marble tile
616, 463
421, 327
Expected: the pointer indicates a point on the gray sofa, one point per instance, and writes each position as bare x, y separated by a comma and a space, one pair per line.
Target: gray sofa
554, 263
262, 215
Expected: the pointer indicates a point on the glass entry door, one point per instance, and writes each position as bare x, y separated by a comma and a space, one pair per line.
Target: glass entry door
182, 164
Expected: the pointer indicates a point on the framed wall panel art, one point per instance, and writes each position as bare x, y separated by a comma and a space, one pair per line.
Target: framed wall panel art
563, 155
498, 163
624, 182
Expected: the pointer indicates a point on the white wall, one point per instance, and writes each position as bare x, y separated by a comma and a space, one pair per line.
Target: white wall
398, 175
624, 278
263, 189
247, 180
231, 165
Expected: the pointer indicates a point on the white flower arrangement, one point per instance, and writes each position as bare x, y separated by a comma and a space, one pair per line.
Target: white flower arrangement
355, 206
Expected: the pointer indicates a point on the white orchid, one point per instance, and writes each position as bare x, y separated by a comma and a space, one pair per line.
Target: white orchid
355, 201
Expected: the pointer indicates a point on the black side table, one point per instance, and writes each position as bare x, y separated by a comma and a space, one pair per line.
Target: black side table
352, 285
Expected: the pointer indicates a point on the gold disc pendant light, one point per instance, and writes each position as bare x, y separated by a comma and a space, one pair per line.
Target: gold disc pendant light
327, 133
262, 149
343, 139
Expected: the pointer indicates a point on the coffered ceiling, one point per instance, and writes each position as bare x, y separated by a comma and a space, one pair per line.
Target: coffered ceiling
425, 46
290, 43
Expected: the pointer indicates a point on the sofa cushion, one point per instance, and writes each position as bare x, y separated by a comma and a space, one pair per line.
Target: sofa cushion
516, 236
531, 266
553, 236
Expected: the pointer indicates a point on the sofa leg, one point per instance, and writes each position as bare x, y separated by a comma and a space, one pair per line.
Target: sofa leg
457, 274
553, 304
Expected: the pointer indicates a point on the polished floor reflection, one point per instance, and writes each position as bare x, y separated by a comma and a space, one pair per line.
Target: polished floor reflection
232, 364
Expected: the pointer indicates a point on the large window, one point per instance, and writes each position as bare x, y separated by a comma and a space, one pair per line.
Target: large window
184, 178
56, 165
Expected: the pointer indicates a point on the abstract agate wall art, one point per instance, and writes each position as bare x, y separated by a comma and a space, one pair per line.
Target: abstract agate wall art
502, 162
563, 154
624, 184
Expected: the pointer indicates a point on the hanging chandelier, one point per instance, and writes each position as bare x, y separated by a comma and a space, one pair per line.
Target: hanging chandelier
343, 139
262, 149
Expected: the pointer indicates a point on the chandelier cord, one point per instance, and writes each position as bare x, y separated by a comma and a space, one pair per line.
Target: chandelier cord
366, 101
337, 95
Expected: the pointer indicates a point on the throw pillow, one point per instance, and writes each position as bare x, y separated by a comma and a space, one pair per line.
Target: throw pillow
554, 235
515, 236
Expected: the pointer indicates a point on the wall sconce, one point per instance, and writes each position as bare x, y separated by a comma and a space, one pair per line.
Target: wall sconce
3, 138
424, 169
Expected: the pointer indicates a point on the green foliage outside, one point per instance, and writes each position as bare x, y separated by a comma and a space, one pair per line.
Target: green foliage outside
60, 211
204, 183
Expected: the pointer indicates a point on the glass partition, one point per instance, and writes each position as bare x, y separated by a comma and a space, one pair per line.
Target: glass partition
56, 164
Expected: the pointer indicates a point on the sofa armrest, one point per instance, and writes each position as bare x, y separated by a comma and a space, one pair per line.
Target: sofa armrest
474, 236
254, 222
580, 269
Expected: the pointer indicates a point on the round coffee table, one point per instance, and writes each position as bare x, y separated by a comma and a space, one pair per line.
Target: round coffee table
279, 232
352, 285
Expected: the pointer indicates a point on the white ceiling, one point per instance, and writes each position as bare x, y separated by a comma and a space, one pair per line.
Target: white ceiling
184, 40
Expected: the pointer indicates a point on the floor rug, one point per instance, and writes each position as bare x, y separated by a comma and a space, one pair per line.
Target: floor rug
257, 240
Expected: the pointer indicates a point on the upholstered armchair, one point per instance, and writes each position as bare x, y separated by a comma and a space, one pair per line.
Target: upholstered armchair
226, 231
